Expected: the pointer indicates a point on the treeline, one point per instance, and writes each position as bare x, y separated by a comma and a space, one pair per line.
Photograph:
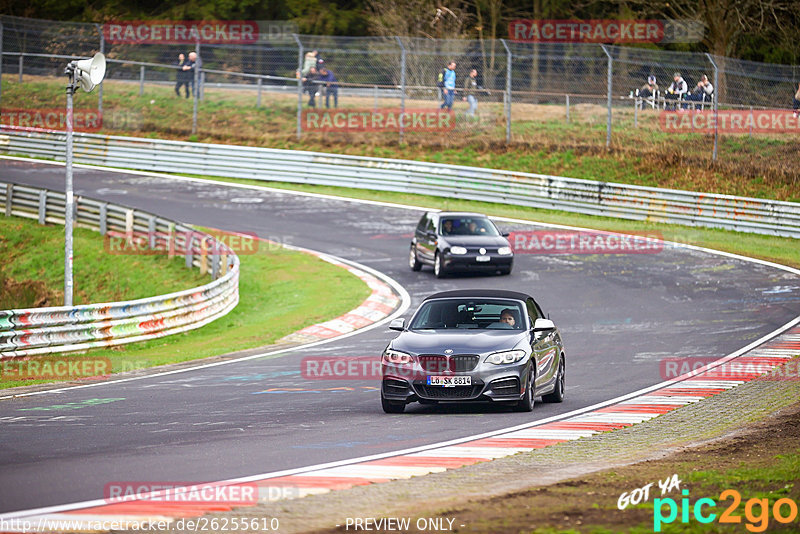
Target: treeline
757, 30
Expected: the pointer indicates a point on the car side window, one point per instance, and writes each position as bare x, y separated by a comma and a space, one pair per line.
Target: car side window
430, 227
423, 222
533, 310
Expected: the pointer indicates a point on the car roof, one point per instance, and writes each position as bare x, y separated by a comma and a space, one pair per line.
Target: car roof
480, 293
459, 214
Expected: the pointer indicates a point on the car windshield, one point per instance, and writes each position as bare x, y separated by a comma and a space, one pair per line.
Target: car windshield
467, 226
483, 314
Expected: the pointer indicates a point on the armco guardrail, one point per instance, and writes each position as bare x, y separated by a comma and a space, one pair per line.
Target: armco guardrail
516, 188
36, 331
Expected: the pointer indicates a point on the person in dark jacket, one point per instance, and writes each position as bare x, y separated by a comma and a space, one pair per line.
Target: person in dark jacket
796, 102
471, 92
310, 86
181, 78
331, 87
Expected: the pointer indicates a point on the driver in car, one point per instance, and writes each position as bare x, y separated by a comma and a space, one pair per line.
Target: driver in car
507, 316
447, 227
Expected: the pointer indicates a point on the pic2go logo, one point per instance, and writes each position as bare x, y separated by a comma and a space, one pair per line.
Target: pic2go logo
756, 511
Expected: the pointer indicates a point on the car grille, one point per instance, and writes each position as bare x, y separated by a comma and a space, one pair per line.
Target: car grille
477, 250
506, 386
458, 363
456, 392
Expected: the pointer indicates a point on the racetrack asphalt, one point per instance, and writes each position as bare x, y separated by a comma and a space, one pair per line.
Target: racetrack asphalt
619, 316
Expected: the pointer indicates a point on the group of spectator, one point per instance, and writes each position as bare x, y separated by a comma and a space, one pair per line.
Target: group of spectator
446, 84
316, 75
186, 68
677, 91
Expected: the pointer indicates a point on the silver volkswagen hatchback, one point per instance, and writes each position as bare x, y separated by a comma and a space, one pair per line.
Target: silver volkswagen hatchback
474, 345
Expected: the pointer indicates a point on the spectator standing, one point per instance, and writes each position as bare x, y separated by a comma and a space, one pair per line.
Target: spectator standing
676, 89
796, 101
471, 92
310, 86
190, 68
181, 77
310, 60
331, 87
449, 90
440, 83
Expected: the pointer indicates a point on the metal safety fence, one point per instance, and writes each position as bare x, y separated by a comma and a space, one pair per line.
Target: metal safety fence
451, 181
523, 91
36, 331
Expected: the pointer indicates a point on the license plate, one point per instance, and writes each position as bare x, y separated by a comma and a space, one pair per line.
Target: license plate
449, 381
482, 258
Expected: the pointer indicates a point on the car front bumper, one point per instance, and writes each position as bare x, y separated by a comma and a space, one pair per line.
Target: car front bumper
469, 262
488, 383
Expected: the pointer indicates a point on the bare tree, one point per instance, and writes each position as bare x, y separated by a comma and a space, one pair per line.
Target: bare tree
436, 19
433, 32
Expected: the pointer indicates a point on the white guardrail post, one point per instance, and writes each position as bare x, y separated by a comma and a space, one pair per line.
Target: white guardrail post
36, 331
590, 197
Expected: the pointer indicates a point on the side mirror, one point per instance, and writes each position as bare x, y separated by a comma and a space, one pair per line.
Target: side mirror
505, 234
398, 325
543, 325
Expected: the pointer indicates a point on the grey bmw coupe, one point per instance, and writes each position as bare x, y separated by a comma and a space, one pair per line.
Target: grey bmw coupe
474, 345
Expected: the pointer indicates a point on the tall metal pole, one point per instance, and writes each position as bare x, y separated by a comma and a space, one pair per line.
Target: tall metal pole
1, 59
100, 89
508, 90
608, 92
196, 87
402, 84
299, 85
715, 103
69, 201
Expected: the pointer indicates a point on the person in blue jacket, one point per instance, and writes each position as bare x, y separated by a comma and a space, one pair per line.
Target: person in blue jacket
449, 86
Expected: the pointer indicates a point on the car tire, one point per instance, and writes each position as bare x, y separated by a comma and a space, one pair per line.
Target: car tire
525, 404
392, 406
438, 268
413, 262
505, 271
558, 392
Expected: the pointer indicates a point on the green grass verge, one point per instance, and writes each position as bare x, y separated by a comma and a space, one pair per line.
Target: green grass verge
279, 293
32, 270
777, 249
542, 141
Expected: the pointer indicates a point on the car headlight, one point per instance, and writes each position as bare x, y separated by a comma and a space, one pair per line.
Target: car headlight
458, 250
504, 251
507, 356
396, 357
